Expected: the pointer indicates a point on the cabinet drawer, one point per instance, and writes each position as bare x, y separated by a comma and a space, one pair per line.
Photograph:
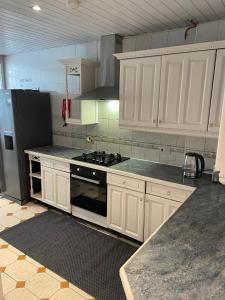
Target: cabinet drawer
126, 182
168, 192
54, 164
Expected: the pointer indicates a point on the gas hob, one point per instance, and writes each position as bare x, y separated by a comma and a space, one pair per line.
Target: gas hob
101, 158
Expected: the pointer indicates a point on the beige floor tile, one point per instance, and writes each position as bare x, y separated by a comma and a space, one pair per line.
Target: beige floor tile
33, 262
42, 285
35, 208
7, 257
15, 250
8, 284
9, 221
4, 202
12, 208
2, 242
20, 294
24, 214
21, 270
79, 291
54, 275
67, 294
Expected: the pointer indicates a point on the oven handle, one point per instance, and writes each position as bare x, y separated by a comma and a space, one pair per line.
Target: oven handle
85, 179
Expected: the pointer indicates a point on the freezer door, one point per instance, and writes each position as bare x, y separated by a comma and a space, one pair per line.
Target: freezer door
8, 147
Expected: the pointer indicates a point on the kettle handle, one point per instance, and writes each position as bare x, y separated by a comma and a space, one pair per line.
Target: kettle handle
200, 157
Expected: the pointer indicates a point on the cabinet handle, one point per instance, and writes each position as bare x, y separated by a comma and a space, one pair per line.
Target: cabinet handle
141, 199
160, 121
211, 124
154, 121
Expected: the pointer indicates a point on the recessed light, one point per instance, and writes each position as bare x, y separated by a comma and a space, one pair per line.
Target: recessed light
36, 7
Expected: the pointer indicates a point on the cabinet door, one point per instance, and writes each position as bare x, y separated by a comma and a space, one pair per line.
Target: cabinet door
185, 91
148, 91
48, 193
126, 211
157, 210
171, 88
128, 91
62, 190
199, 70
115, 208
133, 214
218, 92
139, 91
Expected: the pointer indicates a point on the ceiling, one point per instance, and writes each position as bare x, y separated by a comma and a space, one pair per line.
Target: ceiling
22, 29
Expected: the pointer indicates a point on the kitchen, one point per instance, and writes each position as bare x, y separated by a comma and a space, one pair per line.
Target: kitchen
112, 189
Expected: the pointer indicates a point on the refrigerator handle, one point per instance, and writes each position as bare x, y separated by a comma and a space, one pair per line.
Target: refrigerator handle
8, 138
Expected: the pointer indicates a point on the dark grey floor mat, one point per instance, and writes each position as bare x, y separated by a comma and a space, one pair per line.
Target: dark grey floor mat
89, 259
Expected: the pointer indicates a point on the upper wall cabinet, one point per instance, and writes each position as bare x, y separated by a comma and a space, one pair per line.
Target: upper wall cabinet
175, 89
139, 91
218, 92
80, 78
185, 90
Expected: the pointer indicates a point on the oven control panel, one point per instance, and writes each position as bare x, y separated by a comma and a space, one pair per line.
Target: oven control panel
88, 173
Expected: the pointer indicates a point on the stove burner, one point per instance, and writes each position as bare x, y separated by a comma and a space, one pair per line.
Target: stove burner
101, 158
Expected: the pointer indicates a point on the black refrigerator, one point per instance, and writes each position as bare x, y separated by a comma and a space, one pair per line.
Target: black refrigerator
25, 123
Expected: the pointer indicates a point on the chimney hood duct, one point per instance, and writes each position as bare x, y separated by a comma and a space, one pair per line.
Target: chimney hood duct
109, 70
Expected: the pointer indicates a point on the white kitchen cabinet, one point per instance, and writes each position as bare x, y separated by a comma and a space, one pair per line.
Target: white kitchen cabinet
126, 211
185, 90
157, 210
80, 78
115, 208
48, 193
62, 190
218, 92
56, 188
139, 91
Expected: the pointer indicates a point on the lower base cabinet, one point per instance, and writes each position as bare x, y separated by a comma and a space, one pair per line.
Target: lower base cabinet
56, 188
126, 211
157, 210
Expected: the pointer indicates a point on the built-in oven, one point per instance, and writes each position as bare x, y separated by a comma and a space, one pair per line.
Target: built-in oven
89, 189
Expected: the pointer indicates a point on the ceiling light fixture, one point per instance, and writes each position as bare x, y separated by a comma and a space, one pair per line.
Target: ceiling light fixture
73, 3
36, 7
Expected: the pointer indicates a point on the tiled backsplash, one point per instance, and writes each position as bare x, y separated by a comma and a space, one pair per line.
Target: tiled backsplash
165, 148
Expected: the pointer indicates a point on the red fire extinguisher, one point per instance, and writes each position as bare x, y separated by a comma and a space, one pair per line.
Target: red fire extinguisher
64, 110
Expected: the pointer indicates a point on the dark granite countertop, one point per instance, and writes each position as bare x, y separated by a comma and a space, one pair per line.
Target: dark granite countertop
58, 151
156, 170
185, 259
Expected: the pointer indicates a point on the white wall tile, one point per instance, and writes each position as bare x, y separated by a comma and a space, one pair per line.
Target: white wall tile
138, 152
62, 140
211, 144
152, 154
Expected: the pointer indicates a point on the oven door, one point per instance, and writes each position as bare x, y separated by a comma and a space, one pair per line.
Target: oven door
89, 194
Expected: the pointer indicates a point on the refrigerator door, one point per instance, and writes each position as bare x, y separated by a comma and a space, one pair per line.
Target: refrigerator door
8, 147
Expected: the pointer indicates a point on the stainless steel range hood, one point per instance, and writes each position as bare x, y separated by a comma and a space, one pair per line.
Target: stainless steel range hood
109, 70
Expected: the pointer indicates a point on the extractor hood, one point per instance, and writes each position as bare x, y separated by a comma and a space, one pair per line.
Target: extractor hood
109, 70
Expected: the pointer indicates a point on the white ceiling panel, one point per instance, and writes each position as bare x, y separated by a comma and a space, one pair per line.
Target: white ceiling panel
22, 29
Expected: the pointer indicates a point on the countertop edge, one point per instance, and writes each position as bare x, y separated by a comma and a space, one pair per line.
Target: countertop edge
123, 275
